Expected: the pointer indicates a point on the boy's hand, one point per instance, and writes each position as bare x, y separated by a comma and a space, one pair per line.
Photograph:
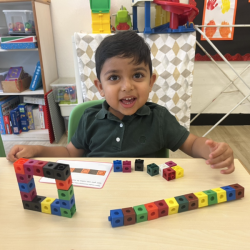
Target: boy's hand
21, 151
221, 156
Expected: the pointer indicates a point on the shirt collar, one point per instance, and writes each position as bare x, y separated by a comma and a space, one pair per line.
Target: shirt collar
144, 110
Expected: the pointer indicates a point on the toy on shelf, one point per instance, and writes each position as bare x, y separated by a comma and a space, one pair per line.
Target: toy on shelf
100, 13
20, 22
180, 19
122, 20
178, 204
25, 169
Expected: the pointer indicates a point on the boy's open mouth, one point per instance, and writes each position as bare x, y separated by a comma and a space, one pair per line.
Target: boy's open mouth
128, 102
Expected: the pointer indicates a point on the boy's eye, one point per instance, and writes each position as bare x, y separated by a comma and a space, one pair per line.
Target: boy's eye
138, 75
113, 78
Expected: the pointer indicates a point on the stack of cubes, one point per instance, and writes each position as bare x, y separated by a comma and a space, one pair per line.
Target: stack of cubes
178, 204
25, 170
100, 13
168, 170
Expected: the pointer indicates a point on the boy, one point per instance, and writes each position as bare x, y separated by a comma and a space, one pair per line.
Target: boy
126, 125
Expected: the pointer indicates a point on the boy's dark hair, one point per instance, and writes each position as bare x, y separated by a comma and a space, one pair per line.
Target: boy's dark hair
125, 44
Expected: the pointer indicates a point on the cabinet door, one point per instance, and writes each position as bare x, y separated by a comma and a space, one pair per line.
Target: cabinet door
45, 39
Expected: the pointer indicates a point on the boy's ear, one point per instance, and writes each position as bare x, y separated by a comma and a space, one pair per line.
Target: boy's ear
152, 81
99, 87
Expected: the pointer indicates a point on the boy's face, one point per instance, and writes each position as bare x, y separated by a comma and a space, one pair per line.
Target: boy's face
124, 85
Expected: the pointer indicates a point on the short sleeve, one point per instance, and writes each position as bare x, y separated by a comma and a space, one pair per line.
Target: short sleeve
174, 133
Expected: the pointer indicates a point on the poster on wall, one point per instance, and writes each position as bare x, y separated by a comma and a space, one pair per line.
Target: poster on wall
219, 12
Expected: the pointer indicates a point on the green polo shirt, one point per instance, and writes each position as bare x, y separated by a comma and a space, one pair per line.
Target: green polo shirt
151, 128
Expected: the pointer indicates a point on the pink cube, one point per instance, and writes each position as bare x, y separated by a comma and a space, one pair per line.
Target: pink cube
126, 167
28, 166
171, 163
24, 178
28, 196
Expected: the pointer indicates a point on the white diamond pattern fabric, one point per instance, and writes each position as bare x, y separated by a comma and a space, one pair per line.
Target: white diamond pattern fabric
173, 62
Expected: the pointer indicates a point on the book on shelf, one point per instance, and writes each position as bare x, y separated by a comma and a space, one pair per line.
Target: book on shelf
42, 116
24, 117
6, 105
15, 121
36, 82
7, 124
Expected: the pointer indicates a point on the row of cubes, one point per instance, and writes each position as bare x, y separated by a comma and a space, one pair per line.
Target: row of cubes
169, 170
154, 210
25, 170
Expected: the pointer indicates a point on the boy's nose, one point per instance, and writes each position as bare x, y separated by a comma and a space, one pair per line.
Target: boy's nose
127, 85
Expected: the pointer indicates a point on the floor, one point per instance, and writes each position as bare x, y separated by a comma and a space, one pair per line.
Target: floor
238, 137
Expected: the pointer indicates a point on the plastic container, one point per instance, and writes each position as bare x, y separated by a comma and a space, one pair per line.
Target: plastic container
20, 22
3, 74
64, 91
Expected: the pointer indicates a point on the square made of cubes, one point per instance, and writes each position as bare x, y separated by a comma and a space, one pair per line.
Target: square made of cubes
25, 170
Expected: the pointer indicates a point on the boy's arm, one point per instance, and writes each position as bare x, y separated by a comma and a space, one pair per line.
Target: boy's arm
28, 151
217, 154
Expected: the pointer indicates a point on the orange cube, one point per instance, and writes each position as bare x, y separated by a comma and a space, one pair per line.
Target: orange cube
64, 185
152, 211
18, 165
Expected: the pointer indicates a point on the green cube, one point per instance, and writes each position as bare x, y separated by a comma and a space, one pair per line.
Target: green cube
183, 203
141, 213
152, 169
68, 212
66, 194
212, 197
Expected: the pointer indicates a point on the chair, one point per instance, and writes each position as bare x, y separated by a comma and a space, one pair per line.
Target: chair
76, 115
2, 151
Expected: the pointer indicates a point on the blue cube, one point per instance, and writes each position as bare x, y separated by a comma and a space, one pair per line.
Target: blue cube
116, 218
67, 204
117, 166
27, 187
231, 193
55, 207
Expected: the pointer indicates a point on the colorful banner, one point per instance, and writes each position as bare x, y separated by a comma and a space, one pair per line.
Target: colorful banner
219, 12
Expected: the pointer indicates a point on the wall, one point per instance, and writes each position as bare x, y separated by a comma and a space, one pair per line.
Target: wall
74, 16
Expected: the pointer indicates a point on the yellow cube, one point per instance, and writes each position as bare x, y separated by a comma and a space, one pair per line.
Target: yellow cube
221, 194
179, 171
101, 23
173, 205
202, 199
46, 205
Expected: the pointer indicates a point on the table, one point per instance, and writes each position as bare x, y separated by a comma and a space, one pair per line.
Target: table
221, 226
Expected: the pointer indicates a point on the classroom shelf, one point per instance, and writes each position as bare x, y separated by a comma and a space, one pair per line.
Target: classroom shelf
32, 135
26, 92
17, 50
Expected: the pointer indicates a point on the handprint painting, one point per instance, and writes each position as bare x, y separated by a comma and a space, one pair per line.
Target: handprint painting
219, 12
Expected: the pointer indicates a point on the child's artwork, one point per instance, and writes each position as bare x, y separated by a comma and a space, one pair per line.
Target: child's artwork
86, 174
219, 12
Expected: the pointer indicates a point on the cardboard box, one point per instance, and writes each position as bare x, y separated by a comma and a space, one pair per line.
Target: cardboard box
16, 86
24, 117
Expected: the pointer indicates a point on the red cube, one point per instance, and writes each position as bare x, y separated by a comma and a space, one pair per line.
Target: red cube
168, 174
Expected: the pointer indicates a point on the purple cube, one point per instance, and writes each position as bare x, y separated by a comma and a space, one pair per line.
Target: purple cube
126, 167
24, 178
28, 196
171, 163
28, 166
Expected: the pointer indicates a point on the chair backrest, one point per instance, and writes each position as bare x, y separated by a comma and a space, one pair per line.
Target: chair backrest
77, 113
2, 151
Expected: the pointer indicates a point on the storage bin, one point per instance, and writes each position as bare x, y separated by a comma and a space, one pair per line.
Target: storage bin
64, 91
20, 22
